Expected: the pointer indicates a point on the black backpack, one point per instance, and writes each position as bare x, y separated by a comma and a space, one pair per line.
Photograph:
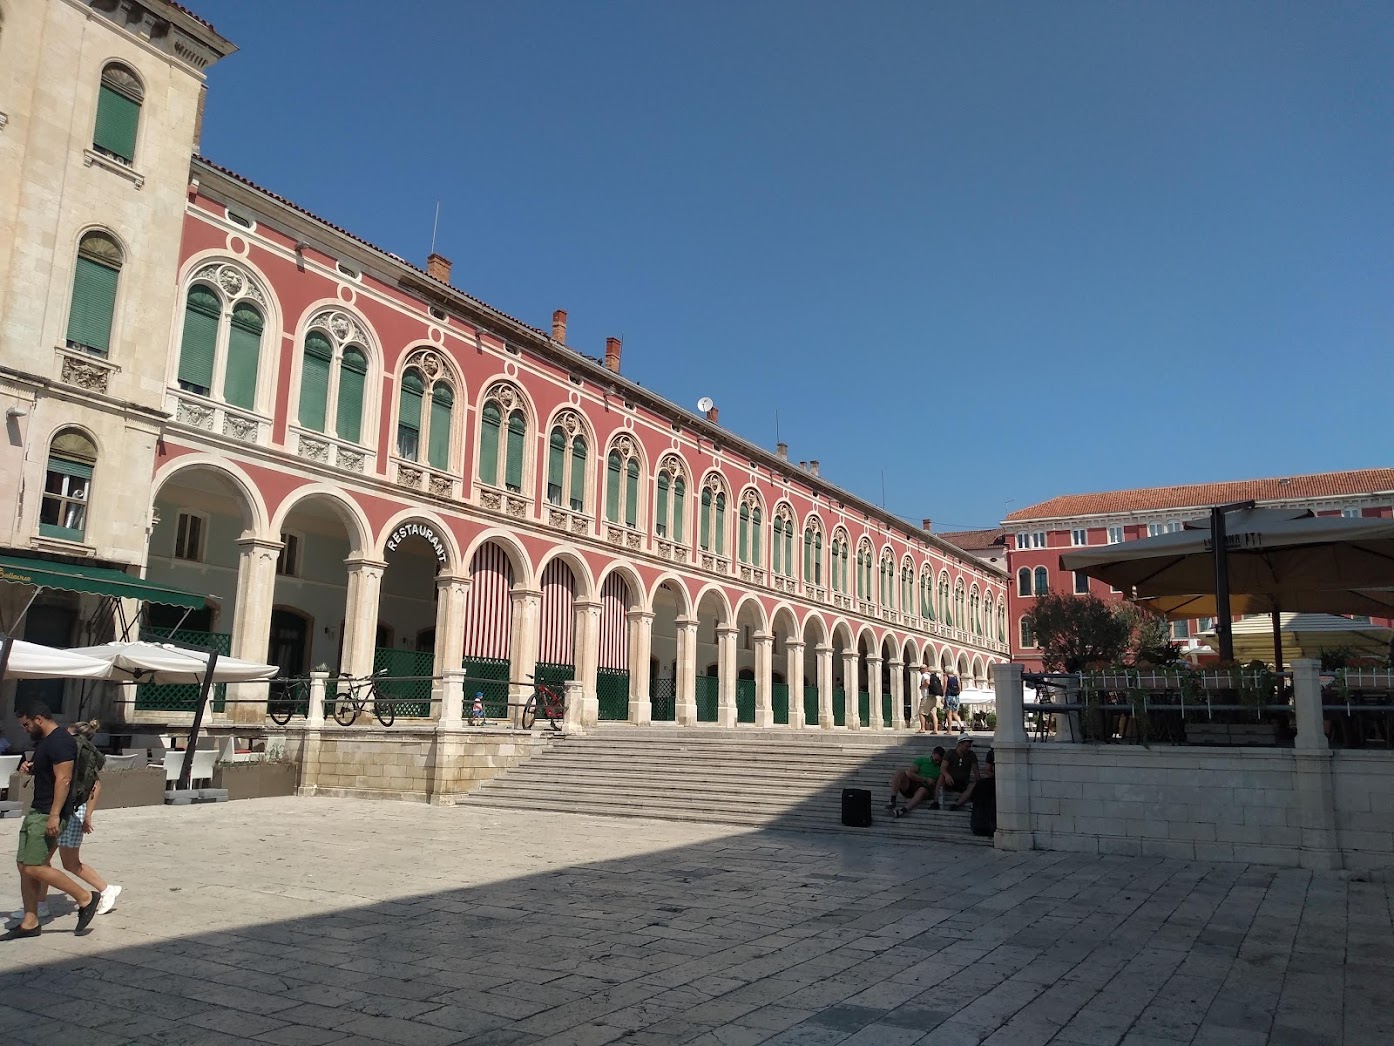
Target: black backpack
952, 689
86, 767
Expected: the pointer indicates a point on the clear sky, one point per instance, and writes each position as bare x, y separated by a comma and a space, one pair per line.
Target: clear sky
996, 252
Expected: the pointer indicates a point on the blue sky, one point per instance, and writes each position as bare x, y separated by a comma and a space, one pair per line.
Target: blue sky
995, 252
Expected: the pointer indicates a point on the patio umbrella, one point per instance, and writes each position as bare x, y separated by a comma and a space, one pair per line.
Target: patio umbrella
1307, 635
23, 660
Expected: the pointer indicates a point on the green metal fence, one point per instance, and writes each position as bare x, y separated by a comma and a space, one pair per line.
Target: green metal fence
839, 706
708, 695
408, 683
810, 705
663, 696
864, 706
779, 701
489, 676
612, 691
182, 697
887, 708
745, 700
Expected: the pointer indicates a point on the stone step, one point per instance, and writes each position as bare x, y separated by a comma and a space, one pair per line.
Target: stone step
746, 779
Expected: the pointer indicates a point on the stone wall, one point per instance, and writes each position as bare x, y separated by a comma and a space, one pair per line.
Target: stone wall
1363, 785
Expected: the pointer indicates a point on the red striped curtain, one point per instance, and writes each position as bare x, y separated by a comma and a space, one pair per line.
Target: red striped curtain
614, 626
489, 613
556, 639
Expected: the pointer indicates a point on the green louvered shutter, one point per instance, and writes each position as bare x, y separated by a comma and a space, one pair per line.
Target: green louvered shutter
353, 377
756, 540
679, 496
442, 409
613, 468
200, 341
556, 465
118, 116
94, 303
513, 464
631, 495
720, 523
578, 474
704, 522
243, 356
489, 425
777, 546
808, 557
660, 516
409, 415
314, 380
743, 535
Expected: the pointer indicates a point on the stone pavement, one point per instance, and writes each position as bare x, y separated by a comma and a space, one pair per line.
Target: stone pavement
309, 921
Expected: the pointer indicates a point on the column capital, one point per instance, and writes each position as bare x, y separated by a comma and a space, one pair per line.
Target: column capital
794, 644
823, 650
253, 543
639, 615
873, 659
764, 637
726, 631
365, 563
520, 594
446, 580
895, 663
686, 622
583, 604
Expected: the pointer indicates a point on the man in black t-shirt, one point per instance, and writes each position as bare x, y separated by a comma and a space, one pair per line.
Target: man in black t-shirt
958, 774
52, 767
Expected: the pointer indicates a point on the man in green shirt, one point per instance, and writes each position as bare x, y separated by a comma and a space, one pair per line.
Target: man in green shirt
916, 783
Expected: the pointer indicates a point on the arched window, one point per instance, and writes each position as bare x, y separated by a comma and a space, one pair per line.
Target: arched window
782, 545
887, 582
1042, 581
841, 563
72, 457
945, 609
118, 113
622, 472
503, 432
1028, 638
987, 626
927, 596
975, 617
409, 414
93, 306
1001, 623
566, 463
712, 525
959, 616
813, 553
749, 537
334, 377
907, 587
1023, 581
212, 332
424, 381
670, 510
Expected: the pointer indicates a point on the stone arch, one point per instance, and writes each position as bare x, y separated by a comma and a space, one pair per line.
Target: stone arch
355, 521
256, 524
750, 600
442, 533
639, 596
727, 614
586, 586
783, 617
977, 669
523, 573
677, 589
841, 631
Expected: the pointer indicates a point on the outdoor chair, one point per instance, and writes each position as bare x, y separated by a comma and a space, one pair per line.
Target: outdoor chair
121, 762
8, 765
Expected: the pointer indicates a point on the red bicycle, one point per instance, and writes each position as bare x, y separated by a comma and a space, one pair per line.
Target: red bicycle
551, 703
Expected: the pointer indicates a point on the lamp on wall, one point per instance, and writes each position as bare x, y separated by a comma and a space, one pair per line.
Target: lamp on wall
16, 412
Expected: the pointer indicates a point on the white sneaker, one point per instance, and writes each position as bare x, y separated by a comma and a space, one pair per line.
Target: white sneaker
43, 912
109, 896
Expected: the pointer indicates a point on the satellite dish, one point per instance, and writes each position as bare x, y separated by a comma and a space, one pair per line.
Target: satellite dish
705, 404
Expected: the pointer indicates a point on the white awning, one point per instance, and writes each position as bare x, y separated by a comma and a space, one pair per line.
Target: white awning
36, 661
162, 663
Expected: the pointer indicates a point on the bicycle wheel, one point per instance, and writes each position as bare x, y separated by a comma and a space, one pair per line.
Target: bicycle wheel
345, 711
386, 714
280, 712
530, 712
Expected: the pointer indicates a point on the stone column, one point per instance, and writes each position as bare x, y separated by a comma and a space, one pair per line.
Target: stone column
686, 702
447, 751
1012, 765
873, 688
574, 695
824, 654
851, 689
640, 654
307, 780
361, 615
314, 715
727, 663
452, 597
527, 608
585, 652
898, 720
452, 709
1316, 795
793, 672
251, 623
764, 680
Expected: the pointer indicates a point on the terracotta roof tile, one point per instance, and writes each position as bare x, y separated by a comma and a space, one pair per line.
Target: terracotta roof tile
975, 540
1204, 495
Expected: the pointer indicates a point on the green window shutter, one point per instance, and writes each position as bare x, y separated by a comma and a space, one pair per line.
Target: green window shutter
556, 465
808, 557
776, 552
442, 408
202, 310
755, 537
720, 524
613, 467
314, 380
818, 559
353, 376
118, 116
679, 494
578, 474
513, 463
490, 421
409, 415
704, 521
660, 516
743, 535
243, 357
789, 549
94, 303
631, 494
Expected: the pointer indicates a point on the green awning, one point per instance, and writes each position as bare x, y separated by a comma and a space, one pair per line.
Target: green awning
102, 581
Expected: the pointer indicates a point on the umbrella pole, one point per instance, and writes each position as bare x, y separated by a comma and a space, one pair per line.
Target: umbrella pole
188, 767
1277, 640
1222, 618
5, 646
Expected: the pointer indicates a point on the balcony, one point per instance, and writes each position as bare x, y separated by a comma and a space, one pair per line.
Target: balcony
507, 502
200, 412
624, 537
421, 477
326, 450
568, 521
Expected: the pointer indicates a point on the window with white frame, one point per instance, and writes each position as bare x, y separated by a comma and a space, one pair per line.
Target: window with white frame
72, 459
1081, 583
782, 543
623, 480
1042, 581
1038, 539
503, 438
288, 559
1023, 539
670, 509
220, 345
334, 378
566, 462
1079, 537
1023, 581
1115, 535
1028, 637
749, 529
1155, 529
1350, 513
189, 532
1180, 629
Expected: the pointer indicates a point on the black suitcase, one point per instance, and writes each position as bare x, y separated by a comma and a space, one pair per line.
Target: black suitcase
856, 807
984, 819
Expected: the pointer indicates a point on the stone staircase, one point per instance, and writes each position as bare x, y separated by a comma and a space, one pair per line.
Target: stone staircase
787, 779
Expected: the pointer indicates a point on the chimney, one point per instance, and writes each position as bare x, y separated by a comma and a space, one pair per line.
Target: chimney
713, 414
927, 525
438, 267
559, 326
813, 466
803, 466
612, 354
781, 451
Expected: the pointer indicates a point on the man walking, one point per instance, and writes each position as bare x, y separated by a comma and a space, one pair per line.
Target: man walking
52, 767
931, 690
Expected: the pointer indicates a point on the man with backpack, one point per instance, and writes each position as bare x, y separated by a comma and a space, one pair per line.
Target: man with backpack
952, 689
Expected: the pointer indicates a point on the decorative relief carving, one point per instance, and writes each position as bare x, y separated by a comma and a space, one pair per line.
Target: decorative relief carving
672, 464
570, 423
614, 535
708, 561
557, 518
517, 508
340, 324
312, 449
579, 525
491, 499
758, 576
409, 476
442, 486
428, 361
234, 281
665, 549
506, 393
195, 414
745, 572
750, 499
634, 541
350, 460
238, 427
85, 375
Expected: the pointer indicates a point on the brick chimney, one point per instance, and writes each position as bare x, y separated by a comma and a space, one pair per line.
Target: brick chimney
559, 326
813, 466
803, 466
927, 525
612, 354
713, 415
438, 267
781, 451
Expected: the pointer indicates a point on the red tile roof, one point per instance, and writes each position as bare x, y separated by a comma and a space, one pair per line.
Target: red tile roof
1203, 495
191, 14
975, 540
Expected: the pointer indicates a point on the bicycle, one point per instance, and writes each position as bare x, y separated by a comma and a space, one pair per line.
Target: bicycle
553, 707
294, 694
349, 706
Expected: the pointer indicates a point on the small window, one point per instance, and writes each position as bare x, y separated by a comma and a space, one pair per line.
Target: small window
1350, 513
346, 270
1079, 537
1115, 535
118, 114
436, 314
188, 538
242, 220
1180, 629
93, 306
1023, 539
1042, 581
1081, 583
67, 485
288, 559
1038, 539
1028, 638
1023, 581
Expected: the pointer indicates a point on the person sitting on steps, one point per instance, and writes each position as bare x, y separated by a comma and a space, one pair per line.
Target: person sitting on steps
959, 774
916, 783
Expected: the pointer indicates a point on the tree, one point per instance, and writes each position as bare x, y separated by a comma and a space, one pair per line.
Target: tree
1076, 631
1151, 640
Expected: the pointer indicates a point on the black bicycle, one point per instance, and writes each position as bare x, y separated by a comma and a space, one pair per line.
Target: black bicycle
292, 695
359, 696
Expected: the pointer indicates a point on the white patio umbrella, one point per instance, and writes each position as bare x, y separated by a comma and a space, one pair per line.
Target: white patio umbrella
163, 663
1307, 635
35, 661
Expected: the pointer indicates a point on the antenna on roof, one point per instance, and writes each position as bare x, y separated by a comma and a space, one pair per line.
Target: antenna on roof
776, 427
434, 226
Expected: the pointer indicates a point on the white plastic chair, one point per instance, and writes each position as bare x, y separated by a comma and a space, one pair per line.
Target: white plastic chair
200, 774
120, 762
8, 765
